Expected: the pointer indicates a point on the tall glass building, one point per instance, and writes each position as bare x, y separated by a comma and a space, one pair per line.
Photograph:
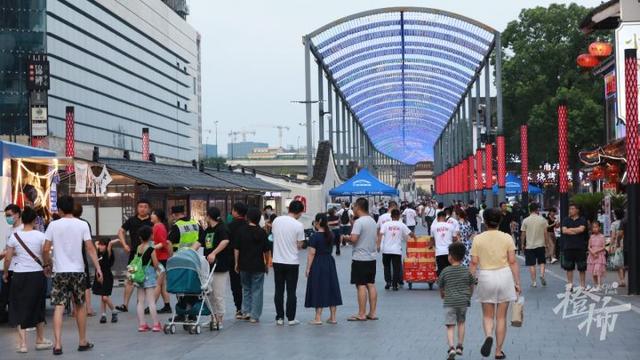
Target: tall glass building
123, 65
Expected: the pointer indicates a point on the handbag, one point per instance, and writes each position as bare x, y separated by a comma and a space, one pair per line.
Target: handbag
517, 312
617, 259
26, 248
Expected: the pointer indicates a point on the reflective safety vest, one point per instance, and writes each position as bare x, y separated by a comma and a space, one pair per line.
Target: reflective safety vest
189, 233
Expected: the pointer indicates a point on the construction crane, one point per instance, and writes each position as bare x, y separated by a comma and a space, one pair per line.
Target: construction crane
234, 135
280, 130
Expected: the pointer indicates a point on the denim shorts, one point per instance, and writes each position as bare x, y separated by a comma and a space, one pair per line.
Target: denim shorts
150, 279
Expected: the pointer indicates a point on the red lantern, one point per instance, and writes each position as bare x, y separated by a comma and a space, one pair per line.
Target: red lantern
600, 49
587, 61
613, 173
597, 173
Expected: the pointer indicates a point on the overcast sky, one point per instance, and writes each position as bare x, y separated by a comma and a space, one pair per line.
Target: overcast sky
253, 58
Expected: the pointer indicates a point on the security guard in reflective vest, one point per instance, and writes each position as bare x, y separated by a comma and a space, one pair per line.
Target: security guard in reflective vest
185, 231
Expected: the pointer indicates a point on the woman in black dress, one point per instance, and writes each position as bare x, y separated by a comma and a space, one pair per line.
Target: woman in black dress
104, 288
323, 289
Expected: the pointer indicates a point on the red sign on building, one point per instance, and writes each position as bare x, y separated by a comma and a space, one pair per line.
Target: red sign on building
610, 84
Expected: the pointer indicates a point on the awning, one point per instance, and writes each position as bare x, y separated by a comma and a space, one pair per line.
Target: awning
363, 184
10, 150
513, 186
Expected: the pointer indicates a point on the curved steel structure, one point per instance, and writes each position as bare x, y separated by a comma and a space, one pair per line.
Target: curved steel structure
402, 72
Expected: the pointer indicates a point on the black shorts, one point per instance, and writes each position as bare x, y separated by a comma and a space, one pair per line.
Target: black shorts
363, 272
164, 263
531, 256
574, 258
442, 261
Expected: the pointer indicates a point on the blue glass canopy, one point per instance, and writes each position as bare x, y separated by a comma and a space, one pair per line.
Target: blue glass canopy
403, 71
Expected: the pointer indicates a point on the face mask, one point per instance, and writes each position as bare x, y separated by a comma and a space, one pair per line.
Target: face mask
269, 212
10, 220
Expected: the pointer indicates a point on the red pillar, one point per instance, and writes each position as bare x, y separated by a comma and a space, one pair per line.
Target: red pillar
70, 149
502, 161
633, 168
479, 182
488, 181
563, 159
145, 144
524, 161
470, 171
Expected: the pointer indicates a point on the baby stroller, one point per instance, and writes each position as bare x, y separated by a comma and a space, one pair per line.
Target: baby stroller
188, 277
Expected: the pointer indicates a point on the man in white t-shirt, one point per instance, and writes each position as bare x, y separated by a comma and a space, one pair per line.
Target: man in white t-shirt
451, 218
443, 234
387, 216
410, 215
67, 236
288, 235
430, 215
12, 216
390, 238
363, 261
420, 212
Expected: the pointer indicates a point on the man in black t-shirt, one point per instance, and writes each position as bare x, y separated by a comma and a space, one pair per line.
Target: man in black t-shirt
472, 215
132, 225
507, 219
574, 245
235, 227
215, 243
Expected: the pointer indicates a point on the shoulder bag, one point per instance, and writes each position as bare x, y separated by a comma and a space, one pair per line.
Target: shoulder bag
26, 248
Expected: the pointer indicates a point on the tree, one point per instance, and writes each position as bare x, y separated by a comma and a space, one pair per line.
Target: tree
212, 162
539, 70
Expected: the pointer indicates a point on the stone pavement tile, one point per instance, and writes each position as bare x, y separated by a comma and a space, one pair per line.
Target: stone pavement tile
410, 327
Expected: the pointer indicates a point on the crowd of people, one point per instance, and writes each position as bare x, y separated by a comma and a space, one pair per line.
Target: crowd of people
474, 248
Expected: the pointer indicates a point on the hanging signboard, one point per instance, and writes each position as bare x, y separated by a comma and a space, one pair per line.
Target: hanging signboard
627, 37
37, 72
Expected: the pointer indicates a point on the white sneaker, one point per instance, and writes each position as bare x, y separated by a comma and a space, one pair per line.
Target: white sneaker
534, 284
280, 322
554, 260
293, 322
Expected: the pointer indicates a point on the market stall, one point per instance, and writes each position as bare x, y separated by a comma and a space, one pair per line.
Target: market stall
29, 177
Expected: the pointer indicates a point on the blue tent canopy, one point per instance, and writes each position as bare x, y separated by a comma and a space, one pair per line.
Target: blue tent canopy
363, 184
12, 150
513, 186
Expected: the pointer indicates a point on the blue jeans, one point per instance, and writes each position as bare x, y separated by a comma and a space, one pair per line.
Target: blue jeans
252, 293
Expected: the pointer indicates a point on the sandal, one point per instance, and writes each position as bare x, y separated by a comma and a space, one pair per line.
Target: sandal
356, 318
332, 322
372, 317
86, 347
57, 351
22, 350
44, 345
313, 322
485, 350
501, 356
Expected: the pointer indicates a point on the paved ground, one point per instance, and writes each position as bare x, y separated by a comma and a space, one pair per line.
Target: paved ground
410, 327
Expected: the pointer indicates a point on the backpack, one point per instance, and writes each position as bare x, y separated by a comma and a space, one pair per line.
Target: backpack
344, 217
137, 271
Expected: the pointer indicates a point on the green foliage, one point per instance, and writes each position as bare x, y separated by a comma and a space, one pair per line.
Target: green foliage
618, 201
214, 161
539, 70
589, 204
